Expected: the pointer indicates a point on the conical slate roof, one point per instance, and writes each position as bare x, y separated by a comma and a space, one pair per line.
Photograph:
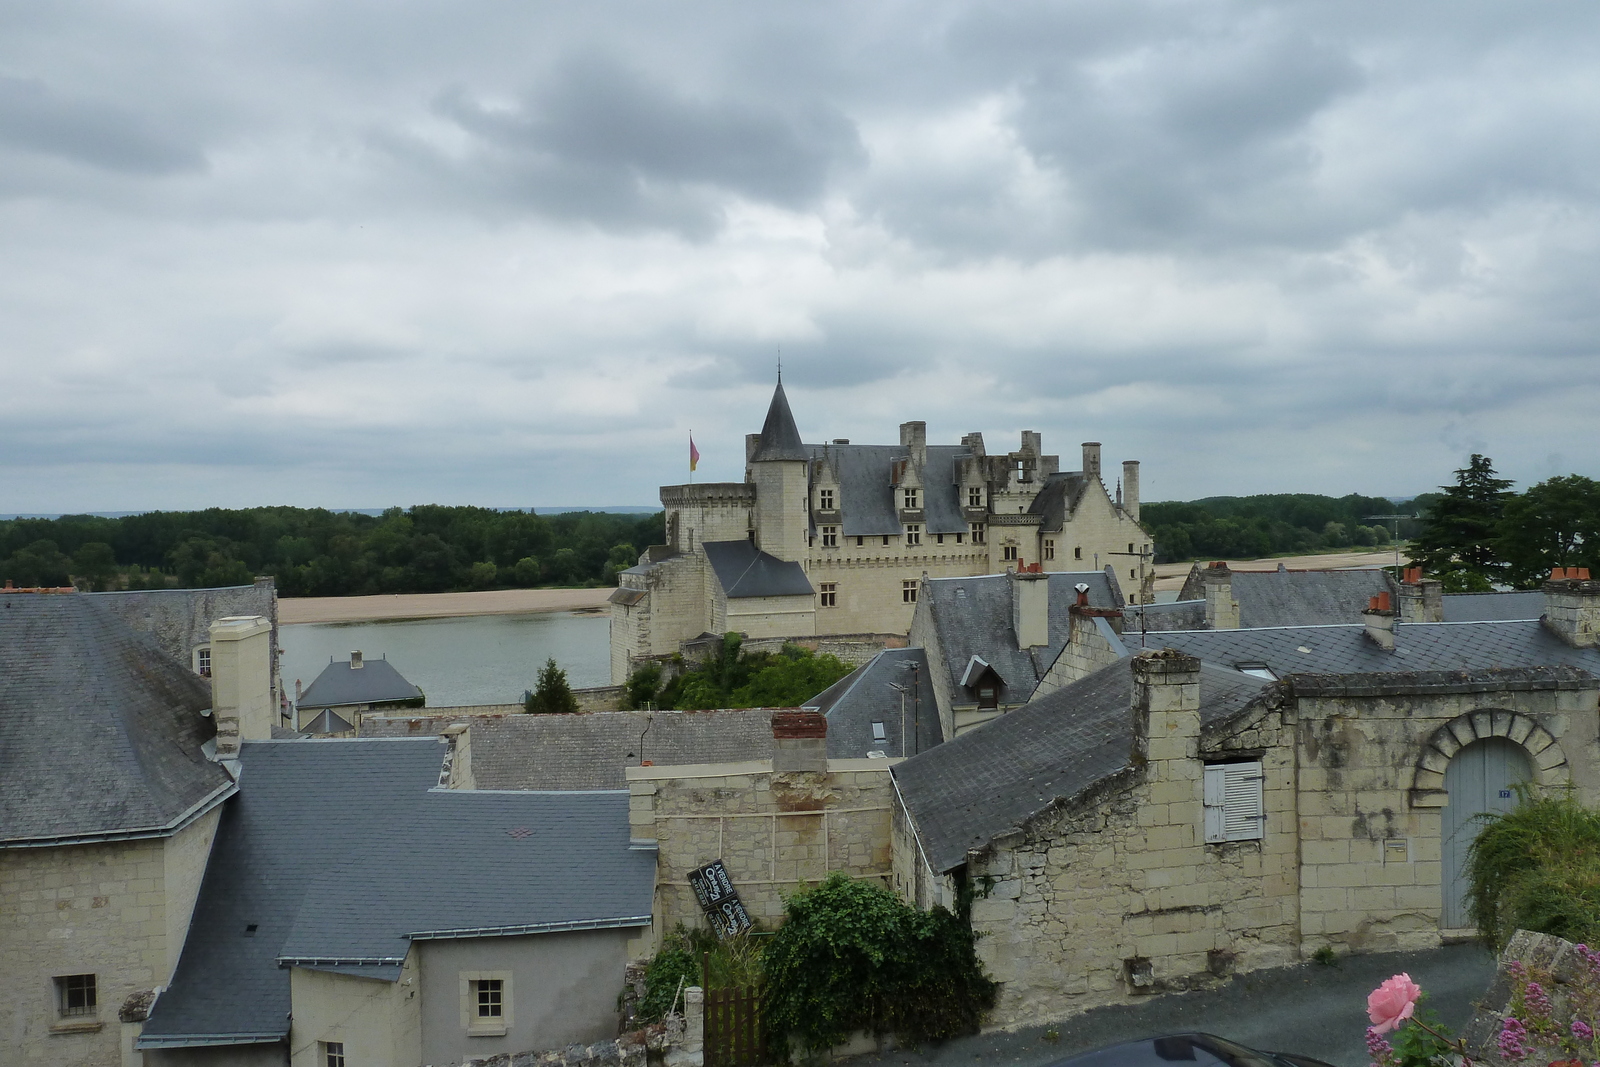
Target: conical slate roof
780, 440
100, 730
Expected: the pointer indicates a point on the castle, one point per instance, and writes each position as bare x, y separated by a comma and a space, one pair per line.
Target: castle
829, 539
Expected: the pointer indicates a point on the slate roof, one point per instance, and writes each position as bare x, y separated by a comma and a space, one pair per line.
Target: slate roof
590, 751
389, 863
1174, 615
101, 732
986, 782
1482, 607
780, 439
1058, 498
1439, 646
1297, 598
866, 696
972, 617
866, 488
340, 685
743, 570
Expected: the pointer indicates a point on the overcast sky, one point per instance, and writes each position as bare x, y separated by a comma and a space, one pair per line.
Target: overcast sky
512, 253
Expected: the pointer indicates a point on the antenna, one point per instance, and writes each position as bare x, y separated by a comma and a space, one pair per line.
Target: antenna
780, 364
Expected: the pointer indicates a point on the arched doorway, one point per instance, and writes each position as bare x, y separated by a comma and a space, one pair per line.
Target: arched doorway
1480, 778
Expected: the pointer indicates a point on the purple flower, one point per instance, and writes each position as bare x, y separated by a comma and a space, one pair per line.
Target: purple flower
1537, 1001
1582, 1030
1512, 1037
1378, 1046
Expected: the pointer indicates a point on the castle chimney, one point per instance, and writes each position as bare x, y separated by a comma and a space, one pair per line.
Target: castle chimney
1572, 606
799, 741
914, 439
1091, 459
355, 660
1222, 611
1421, 599
1130, 488
241, 681
1030, 607
1380, 622
1166, 715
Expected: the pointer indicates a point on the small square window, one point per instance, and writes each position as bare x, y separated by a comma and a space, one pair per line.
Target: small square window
75, 996
909, 496
825, 499
1008, 552
913, 534
908, 591
974, 498
828, 593
487, 1003
830, 537
1234, 808
331, 1053
976, 530
488, 994
1049, 549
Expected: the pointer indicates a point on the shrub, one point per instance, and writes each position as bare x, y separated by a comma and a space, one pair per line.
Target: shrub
552, 694
1537, 868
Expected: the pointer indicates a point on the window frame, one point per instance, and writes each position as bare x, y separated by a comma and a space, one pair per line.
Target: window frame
974, 497
331, 1053
976, 530
913, 534
1049, 548
909, 499
1010, 554
1235, 802
908, 590
477, 1025
825, 500
830, 537
828, 594
86, 988
202, 661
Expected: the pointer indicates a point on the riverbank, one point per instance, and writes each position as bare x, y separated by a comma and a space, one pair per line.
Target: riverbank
323, 609
1171, 575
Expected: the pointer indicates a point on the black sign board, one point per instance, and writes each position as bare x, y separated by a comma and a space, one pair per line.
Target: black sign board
718, 900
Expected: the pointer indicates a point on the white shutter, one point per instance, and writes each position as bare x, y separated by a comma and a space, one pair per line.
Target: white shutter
1233, 802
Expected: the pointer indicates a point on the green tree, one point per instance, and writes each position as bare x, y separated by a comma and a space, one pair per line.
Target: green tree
96, 564
41, 563
552, 694
484, 574
1457, 542
1554, 524
643, 685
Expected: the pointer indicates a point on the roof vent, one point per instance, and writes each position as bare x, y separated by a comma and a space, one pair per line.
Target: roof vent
355, 660
841, 440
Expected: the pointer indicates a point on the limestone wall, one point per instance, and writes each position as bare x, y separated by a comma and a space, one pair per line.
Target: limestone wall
118, 911
379, 1023
1087, 650
771, 616
775, 832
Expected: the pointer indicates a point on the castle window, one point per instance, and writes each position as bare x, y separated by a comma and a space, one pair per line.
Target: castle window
75, 995
886, 540
1130, 548
828, 593
974, 498
860, 541
1077, 553
913, 534
1009, 552
825, 499
939, 538
1233, 802
959, 537
1049, 549
976, 529
830, 537
331, 1053
908, 591
1133, 574
910, 497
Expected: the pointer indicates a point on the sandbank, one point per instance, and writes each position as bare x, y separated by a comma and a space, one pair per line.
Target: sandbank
293, 610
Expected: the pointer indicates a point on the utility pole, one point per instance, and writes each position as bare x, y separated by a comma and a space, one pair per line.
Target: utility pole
1394, 524
1142, 555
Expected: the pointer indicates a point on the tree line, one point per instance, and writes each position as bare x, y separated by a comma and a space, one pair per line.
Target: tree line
315, 552
1248, 527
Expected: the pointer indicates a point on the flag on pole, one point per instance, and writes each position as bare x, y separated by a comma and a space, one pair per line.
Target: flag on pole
694, 454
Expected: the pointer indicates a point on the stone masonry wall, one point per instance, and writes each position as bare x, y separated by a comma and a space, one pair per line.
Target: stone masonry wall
775, 832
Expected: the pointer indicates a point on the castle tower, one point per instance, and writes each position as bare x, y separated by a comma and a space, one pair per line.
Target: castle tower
778, 468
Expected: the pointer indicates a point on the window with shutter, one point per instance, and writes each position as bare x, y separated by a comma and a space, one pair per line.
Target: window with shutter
1233, 802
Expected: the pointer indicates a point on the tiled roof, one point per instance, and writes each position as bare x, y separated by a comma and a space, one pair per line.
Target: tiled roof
745, 571
1297, 598
988, 781
1440, 646
1174, 615
590, 751
867, 506
1058, 498
867, 695
780, 440
1483, 607
972, 617
336, 851
339, 685
101, 732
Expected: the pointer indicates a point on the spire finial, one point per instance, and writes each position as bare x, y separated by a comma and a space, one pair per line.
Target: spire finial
780, 364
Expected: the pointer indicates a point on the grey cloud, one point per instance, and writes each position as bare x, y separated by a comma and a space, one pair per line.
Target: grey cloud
35, 119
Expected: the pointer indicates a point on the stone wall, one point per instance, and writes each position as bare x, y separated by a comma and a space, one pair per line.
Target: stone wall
1089, 647
1551, 961
118, 911
776, 832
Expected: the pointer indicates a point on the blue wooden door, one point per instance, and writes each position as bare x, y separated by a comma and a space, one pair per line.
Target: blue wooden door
1479, 779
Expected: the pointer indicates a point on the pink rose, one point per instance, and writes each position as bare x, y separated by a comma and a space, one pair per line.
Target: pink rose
1392, 1002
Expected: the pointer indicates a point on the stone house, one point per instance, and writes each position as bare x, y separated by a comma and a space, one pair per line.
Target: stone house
1239, 799
110, 797
835, 538
346, 690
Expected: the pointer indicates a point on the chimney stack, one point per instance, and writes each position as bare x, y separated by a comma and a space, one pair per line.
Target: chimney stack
1222, 611
355, 660
241, 681
914, 439
1421, 599
1572, 606
1380, 622
799, 741
1130, 488
1091, 459
1166, 715
1030, 606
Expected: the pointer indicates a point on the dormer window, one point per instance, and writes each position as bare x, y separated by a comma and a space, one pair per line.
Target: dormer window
830, 537
975, 497
988, 698
825, 499
910, 496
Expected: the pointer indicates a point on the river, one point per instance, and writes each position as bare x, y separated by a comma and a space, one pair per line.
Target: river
477, 659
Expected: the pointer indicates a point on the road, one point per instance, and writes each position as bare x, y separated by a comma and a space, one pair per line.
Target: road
1311, 1009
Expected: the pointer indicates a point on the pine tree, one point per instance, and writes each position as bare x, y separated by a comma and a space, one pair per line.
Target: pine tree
552, 693
1457, 542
